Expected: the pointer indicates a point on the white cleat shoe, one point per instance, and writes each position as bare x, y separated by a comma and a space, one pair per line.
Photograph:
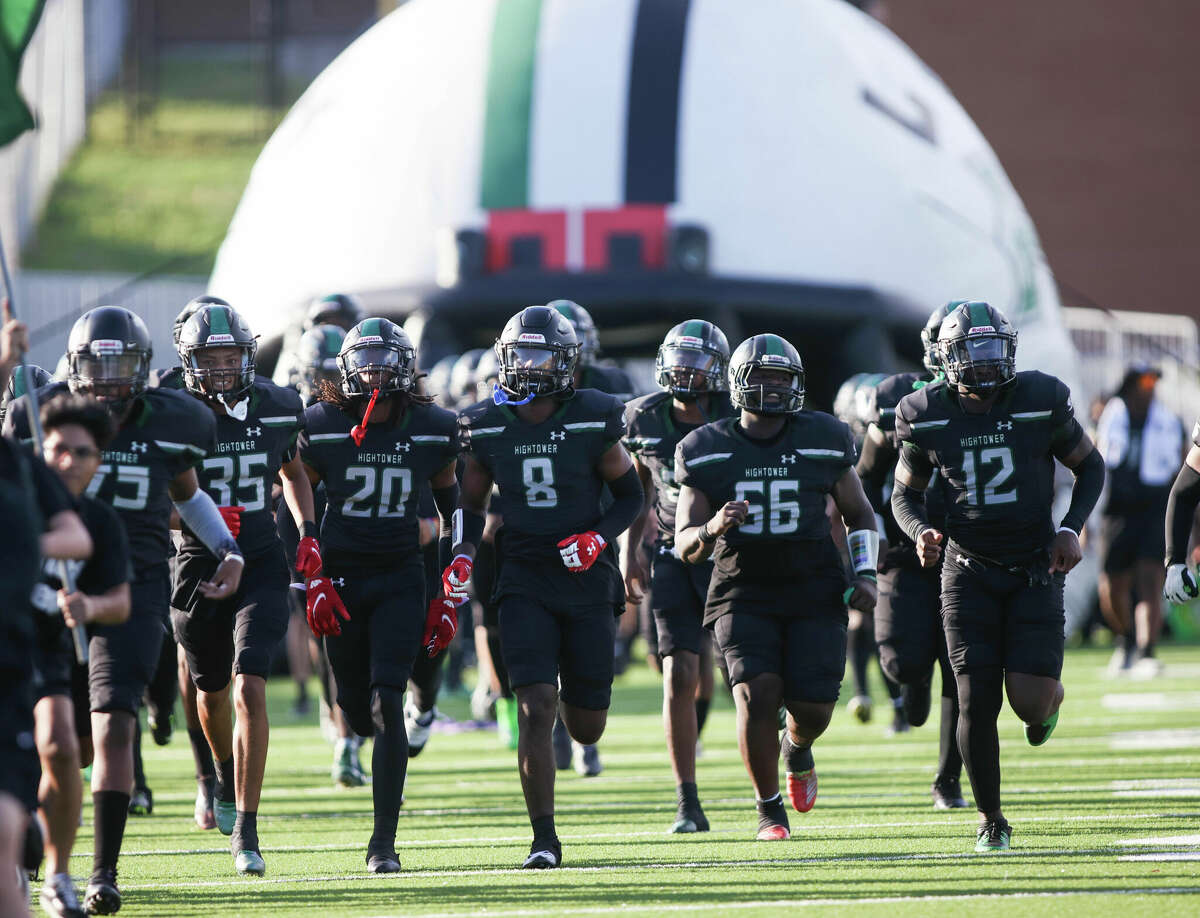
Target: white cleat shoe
418, 726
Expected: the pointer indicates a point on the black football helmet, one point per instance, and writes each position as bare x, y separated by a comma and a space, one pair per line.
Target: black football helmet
585, 329
537, 352
380, 348
338, 309
766, 352
190, 310
317, 359
854, 403
217, 326
690, 349
16, 385
108, 356
929, 336
978, 348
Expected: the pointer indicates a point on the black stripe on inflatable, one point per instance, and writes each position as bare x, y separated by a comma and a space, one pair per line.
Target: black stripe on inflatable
652, 126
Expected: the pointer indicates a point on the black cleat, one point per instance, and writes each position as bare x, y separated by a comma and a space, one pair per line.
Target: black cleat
383, 862
948, 795
689, 818
141, 803
543, 855
161, 728
102, 896
916, 698
994, 835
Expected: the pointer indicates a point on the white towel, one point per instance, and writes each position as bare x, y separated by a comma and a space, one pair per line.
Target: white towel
1161, 446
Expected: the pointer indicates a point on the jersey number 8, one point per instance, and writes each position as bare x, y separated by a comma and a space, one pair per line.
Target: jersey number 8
538, 475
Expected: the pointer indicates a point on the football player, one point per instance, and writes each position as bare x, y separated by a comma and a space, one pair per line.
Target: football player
993, 435
76, 430
550, 449
15, 387
908, 621
753, 495
258, 425
1181, 583
376, 443
150, 466
691, 367
39, 522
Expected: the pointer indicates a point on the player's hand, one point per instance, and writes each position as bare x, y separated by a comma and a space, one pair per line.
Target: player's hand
734, 513
233, 519
77, 608
441, 623
14, 339
308, 557
863, 594
1065, 552
323, 605
636, 577
580, 552
455, 578
929, 547
1181, 584
226, 580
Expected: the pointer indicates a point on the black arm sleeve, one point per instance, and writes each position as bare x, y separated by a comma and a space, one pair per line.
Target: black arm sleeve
1181, 510
445, 499
1089, 482
876, 461
908, 507
627, 504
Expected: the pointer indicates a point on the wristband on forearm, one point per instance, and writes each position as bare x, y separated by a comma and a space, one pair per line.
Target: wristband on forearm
466, 526
309, 530
704, 535
864, 551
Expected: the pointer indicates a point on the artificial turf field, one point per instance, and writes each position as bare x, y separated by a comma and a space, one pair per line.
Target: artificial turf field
1106, 818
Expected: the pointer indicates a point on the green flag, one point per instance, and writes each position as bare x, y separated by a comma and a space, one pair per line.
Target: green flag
18, 19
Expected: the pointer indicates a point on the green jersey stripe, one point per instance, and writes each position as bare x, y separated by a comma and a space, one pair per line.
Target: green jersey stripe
281, 419
319, 438
822, 453
429, 438
585, 425
1031, 415
705, 460
486, 431
172, 447
925, 425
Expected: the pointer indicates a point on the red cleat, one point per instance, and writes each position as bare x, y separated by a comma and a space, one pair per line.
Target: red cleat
774, 833
802, 790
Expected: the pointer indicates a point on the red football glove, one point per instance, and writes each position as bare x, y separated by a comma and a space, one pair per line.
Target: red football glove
454, 579
580, 552
323, 603
441, 623
308, 557
233, 519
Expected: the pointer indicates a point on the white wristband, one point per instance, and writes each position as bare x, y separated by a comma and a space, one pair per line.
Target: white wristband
1066, 529
864, 549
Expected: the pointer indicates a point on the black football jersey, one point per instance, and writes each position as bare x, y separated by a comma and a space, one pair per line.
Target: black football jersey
998, 467
882, 413
652, 433
546, 472
246, 461
166, 433
786, 481
608, 379
372, 490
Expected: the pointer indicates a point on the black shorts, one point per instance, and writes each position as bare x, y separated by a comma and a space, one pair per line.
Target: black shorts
677, 595
383, 637
570, 646
53, 657
236, 635
20, 770
1127, 539
995, 618
908, 623
123, 658
808, 653
79, 698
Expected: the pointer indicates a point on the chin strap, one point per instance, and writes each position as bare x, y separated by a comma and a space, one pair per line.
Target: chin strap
500, 397
239, 409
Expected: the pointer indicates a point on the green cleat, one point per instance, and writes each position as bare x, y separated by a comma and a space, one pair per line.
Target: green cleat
1037, 734
225, 814
250, 863
347, 769
994, 835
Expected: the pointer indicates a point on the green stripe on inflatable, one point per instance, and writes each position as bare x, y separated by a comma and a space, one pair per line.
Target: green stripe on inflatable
504, 183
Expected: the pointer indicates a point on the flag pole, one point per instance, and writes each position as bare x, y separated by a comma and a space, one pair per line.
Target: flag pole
78, 633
